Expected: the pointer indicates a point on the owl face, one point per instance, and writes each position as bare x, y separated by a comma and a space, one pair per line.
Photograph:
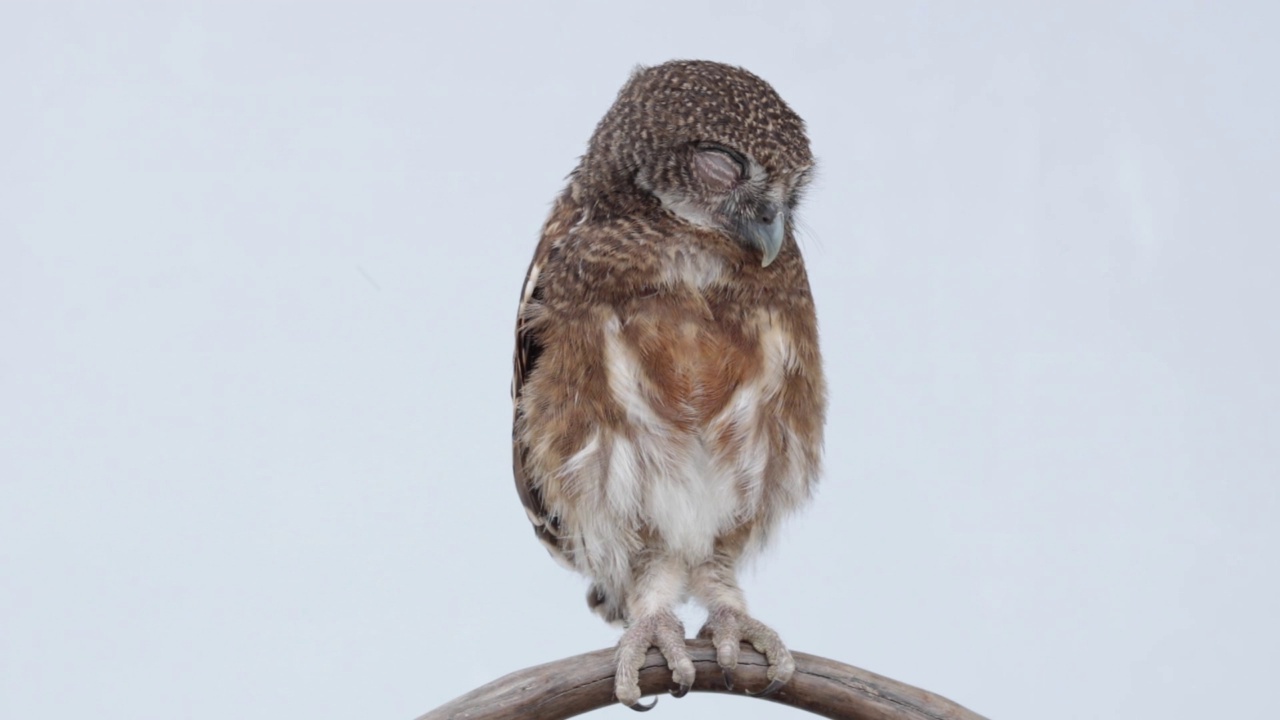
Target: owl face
720, 187
713, 144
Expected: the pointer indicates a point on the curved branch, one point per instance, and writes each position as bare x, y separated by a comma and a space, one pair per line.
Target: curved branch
582, 683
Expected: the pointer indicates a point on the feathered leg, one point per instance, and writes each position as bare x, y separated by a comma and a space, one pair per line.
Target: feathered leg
651, 602
715, 584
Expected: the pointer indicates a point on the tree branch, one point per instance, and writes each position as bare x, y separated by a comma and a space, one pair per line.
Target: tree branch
582, 683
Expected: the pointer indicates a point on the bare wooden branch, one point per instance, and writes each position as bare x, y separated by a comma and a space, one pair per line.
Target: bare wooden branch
582, 683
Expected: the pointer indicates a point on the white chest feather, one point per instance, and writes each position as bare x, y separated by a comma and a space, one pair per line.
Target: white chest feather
687, 486
692, 268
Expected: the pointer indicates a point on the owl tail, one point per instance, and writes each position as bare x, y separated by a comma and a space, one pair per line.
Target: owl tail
607, 605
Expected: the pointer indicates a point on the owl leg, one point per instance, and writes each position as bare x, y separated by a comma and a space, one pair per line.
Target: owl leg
650, 605
715, 584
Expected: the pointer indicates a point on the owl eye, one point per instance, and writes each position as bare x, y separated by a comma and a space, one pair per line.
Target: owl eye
719, 168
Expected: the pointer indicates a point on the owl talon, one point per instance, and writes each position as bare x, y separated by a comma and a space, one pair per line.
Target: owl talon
663, 631
773, 687
641, 707
728, 628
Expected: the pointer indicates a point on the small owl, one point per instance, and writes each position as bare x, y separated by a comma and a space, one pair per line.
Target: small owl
669, 395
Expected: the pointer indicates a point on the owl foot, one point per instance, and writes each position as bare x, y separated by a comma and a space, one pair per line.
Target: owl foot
663, 631
727, 628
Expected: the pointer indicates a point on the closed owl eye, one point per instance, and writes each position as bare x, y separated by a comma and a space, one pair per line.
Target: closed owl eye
719, 168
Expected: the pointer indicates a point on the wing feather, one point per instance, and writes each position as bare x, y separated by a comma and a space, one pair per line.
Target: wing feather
529, 348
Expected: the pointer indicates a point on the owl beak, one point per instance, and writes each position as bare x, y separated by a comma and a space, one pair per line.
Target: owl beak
766, 231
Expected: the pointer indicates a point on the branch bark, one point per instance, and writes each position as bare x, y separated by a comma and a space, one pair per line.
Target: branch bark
582, 683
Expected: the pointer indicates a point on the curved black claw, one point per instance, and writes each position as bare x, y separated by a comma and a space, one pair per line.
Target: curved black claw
773, 687
728, 678
641, 707
679, 691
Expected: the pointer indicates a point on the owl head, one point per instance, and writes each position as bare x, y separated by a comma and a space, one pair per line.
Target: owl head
712, 144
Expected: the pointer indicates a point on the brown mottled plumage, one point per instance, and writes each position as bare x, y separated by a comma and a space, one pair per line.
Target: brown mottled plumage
669, 397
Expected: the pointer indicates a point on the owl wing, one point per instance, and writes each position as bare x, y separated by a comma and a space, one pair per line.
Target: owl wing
528, 348
530, 345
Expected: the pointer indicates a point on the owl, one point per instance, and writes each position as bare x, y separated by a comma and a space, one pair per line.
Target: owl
669, 394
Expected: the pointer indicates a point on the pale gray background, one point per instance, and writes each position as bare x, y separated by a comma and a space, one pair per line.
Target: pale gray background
259, 265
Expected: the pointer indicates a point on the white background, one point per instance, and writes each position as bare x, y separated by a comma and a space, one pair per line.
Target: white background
258, 271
